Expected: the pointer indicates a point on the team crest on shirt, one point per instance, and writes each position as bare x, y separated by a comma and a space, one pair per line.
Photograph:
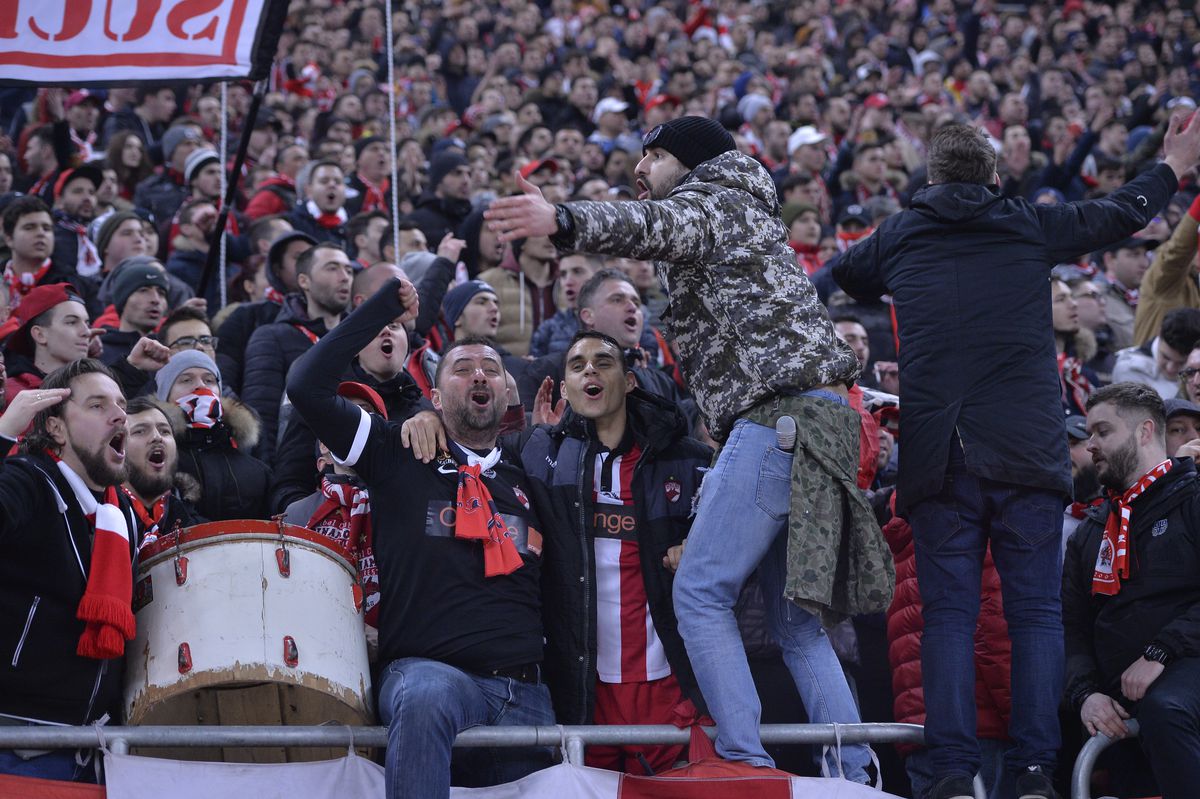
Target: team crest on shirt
1159, 528
524, 500
672, 489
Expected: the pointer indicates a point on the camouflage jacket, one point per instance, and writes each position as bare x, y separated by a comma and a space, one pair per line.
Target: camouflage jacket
746, 320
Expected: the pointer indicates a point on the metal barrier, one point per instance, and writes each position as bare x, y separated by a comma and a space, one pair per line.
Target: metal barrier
1081, 775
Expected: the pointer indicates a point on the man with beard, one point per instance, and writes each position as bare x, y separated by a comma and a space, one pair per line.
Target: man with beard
458, 552
325, 275
65, 561
139, 293
755, 346
1131, 591
447, 202
369, 180
1084, 481
152, 461
74, 209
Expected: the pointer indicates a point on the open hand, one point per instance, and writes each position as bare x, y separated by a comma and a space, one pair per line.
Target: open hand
26, 405
521, 215
545, 411
1181, 146
425, 435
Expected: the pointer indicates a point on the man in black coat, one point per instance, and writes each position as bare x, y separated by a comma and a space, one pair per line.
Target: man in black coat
65, 535
618, 508
985, 453
443, 206
1131, 591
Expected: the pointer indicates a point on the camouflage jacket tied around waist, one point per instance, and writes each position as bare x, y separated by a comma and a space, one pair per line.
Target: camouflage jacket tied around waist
838, 563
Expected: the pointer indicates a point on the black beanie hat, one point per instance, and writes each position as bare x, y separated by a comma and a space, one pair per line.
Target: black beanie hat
443, 165
693, 140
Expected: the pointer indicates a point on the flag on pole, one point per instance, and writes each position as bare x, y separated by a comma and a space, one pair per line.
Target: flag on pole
126, 42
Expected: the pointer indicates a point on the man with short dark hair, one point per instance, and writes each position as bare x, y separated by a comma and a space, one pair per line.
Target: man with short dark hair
1124, 263
29, 231
983, 462
277, 194
369, 180
1131, 592
324, 274
460, 627
322, 214
42, 163
152, 458
444, 205
74, 209
153, 108
364, 232
1158, 362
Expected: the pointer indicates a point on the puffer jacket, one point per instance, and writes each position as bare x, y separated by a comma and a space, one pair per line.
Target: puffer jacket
993, 650
665, 480
745, 318
269, 354
233, 484
523, 305
234, 335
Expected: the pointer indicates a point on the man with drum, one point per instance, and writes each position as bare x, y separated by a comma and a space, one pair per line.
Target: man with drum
458, 552
66, 550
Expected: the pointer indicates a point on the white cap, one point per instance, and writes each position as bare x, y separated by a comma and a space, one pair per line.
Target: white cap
806, 134
609, 105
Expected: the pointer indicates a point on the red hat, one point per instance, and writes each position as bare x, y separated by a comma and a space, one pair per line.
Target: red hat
87, 172
39, 300
877, 100
361, 391
82, 96
534, 166
661, 99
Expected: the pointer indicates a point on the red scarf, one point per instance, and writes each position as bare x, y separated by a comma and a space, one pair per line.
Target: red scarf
202, 408
1078, 510
324, 220
375, 197
345, 516
1112, 561
150, 519
272, 294
477, 519
87, 261
1073, 384
21, 284
105, 605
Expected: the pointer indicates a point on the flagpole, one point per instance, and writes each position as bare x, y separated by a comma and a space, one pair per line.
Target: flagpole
224, 180
391, 93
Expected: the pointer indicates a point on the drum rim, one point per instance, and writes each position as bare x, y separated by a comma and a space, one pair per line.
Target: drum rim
190, 538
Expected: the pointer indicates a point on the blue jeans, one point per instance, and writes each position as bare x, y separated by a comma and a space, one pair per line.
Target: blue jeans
997, 781
740, 526
426, 704
951, 531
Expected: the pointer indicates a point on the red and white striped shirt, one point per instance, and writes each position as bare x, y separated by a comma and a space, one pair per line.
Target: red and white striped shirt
628, 646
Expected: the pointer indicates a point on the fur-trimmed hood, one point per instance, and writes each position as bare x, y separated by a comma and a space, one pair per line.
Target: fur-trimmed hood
240, 419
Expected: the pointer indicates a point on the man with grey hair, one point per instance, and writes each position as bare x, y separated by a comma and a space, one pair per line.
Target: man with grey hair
985, 456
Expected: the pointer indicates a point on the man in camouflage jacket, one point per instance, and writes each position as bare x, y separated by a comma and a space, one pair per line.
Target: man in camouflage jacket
755, 344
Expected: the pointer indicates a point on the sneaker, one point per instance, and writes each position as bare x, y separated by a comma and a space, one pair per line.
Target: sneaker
1033, 783
952, 788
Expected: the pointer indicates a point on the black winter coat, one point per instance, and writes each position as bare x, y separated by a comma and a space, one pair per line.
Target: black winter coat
437, 216
45, 557
304, 222
269, 354
968, 271
234, 335
233, 483
1160, 601
559, 462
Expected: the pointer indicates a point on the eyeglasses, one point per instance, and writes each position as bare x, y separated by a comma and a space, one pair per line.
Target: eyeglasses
1189, 373
194, 342
1090, 295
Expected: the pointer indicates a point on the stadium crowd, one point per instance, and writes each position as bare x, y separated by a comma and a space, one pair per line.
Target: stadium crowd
338, 356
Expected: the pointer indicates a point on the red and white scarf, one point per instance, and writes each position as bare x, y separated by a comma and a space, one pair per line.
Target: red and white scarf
476, 517
327, 221
105, 605
151, 519
375, 197
202, 408
20, 284
345, 516
87, 260
1073, 384
1112, 561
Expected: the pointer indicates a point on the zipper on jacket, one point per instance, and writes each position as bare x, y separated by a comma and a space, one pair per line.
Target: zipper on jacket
25, 633
585, 673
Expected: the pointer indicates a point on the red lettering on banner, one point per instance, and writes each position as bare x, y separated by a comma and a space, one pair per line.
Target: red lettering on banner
143, 20
75, 19
8, 20
189, 10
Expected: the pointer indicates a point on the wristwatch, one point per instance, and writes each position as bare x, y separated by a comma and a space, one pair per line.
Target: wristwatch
564, 237
1157, 654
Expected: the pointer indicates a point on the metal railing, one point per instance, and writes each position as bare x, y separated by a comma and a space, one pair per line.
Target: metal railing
1081, 775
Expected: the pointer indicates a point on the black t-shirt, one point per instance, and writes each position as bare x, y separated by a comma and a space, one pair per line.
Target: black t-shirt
435, 601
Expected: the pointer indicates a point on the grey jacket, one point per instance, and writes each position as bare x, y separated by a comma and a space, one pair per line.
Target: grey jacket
746, 319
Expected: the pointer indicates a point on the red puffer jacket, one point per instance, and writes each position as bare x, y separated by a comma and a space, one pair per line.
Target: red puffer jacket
992, 647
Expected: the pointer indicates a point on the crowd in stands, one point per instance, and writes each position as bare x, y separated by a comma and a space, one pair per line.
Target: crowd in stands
109, 200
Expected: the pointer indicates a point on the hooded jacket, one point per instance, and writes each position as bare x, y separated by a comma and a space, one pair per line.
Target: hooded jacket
746, 321
559, 462
275, 195
233, 484
269, 354
46, 544
523, 305
967, 271
437, 216
1158, 603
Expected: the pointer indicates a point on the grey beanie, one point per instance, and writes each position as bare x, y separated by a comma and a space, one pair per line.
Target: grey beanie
166, 376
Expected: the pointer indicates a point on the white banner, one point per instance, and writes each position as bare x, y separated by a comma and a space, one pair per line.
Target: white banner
131, 777
108, 42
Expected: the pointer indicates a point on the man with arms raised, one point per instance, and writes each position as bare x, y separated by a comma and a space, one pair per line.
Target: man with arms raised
458, 554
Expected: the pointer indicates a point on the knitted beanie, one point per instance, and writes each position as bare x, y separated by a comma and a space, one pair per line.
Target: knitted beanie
109, 229
457, 298
693, 140
165, 377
